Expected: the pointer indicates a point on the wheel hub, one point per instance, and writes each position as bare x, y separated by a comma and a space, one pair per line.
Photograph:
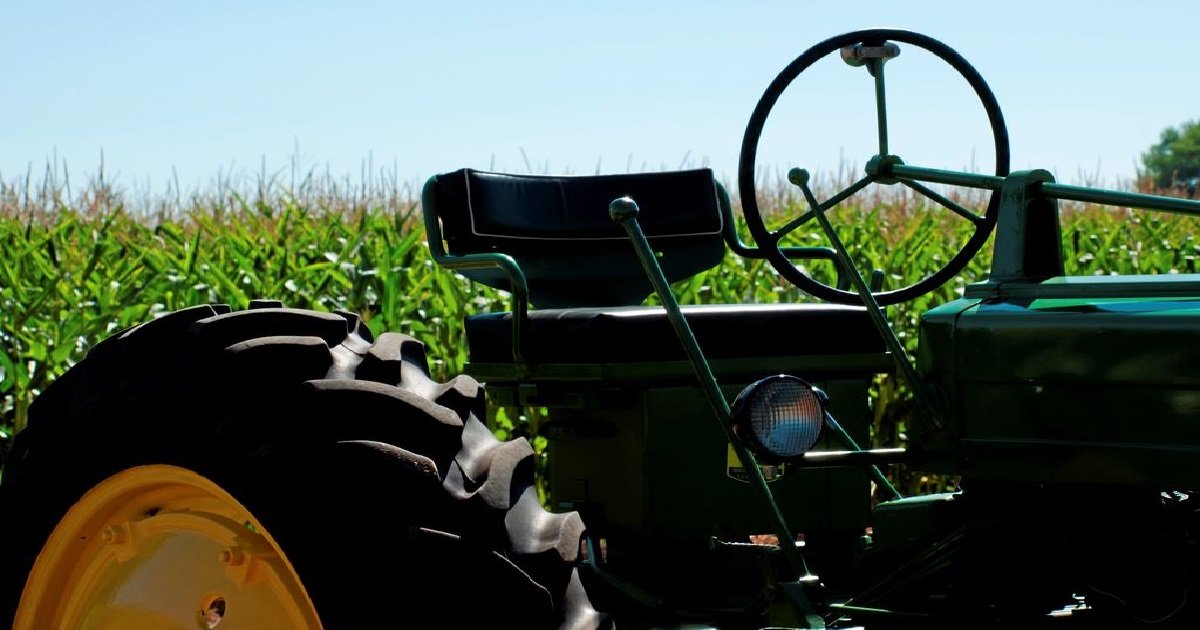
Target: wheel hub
162, 547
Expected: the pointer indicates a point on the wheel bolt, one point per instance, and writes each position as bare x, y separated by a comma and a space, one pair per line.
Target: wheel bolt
112, 535
232, 556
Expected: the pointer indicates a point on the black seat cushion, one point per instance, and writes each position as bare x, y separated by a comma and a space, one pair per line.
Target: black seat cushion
643, 333
558, 230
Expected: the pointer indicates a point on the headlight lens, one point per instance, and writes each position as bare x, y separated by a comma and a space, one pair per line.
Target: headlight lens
780, 417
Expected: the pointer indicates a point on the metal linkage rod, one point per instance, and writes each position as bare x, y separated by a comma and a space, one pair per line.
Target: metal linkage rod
1052, 190
624, 211
877, 475
1117, 198
799, 177
938, 176
829, 203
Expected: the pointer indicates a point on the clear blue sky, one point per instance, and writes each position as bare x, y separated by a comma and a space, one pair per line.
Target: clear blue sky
418, 88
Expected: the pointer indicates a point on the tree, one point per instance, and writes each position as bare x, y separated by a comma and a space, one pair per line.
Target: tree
1175, 160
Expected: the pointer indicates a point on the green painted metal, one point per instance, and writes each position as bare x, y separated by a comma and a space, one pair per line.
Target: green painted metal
660, 473
932, 416
1148, 287
746, 250
1061, 401
1058, 389
624, 211
876, 67
882, 168
1028, 239
1047, 378
1121, 198
1044, 381
913, 520
681, 497
660, 466
727, 370
805, 217
876, 475
866, 48
518, 287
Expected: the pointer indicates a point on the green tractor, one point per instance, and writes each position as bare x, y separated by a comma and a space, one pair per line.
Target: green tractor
280, 468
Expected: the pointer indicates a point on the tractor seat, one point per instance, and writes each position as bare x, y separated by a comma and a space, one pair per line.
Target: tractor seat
643, 333
549, 241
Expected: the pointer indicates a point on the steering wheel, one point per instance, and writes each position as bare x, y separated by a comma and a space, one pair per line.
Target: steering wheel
871, 48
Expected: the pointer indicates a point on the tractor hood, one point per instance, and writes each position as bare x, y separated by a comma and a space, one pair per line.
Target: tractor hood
1071, 379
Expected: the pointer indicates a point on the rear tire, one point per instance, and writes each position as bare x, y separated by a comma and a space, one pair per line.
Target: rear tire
391, 500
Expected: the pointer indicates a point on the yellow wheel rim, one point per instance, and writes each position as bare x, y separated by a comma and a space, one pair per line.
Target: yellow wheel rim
162, 547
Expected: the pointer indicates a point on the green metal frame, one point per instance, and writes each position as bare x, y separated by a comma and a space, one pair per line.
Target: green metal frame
624, 211
590, 387
1028, 300
519, 288
1027, 280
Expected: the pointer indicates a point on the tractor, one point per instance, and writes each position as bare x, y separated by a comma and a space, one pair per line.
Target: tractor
708, 465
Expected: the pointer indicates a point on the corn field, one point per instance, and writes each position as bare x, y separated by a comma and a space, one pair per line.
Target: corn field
75, 269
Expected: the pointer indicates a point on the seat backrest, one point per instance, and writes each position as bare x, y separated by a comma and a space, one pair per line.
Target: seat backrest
558, 230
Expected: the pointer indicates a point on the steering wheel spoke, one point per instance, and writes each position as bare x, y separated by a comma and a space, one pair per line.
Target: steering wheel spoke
791, 226
945, 202
847, 192
880, 104
871, 48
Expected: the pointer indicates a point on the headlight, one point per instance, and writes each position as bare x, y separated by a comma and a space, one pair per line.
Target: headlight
779, 417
